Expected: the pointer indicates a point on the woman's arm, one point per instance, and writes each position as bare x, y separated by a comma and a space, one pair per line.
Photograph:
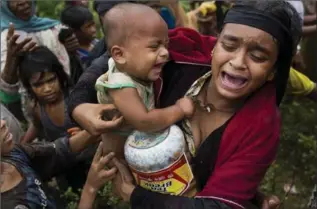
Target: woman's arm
84, 91
9, 73
97, 177
50, 159
133, 110
142, 198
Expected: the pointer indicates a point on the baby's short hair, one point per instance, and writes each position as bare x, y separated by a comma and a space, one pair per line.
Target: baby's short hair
119, 23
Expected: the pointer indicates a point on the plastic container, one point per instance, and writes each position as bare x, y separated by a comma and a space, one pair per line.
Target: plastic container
158, 161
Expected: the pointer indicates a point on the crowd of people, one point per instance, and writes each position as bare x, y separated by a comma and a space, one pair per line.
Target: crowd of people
219, 72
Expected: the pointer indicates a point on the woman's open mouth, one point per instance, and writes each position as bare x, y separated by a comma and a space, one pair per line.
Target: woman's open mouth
231, 81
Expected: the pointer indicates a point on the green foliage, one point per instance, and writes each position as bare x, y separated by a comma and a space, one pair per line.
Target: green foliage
296, 160
105, 199
71, 198
51, 9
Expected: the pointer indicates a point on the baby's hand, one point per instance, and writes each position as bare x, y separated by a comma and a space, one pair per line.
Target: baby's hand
187, 106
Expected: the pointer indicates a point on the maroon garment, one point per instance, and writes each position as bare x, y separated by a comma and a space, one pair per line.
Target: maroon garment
249, 143
186, 46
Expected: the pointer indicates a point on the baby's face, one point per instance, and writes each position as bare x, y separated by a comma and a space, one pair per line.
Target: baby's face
146, 53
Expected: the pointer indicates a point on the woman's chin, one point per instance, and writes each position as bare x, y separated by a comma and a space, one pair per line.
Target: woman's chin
230, 95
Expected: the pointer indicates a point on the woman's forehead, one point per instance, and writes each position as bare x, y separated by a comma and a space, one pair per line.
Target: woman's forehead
248, 34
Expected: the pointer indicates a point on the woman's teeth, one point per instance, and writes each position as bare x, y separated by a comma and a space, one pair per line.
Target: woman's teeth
233, 82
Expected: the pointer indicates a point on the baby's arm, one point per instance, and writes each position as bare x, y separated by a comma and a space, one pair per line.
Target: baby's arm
132, 108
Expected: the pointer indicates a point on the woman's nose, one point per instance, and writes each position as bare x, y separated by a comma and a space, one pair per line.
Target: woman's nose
238, 62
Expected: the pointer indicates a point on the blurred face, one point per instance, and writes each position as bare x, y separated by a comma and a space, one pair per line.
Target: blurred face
84, 3
22, 9
6, 139
243, 60
46, 87
145, 53
88, 31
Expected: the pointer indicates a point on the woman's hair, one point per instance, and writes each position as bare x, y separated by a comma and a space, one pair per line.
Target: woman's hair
41, 60
76, 16
261, 14
282, 11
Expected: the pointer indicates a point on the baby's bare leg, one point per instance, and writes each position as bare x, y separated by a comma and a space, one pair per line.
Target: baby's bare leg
113, 143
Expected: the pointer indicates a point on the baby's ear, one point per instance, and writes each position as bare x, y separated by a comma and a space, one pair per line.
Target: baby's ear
117, 54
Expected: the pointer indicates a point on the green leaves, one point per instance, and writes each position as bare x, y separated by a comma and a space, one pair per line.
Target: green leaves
296, 160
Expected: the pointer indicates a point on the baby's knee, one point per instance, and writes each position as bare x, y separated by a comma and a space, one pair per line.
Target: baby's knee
113, 143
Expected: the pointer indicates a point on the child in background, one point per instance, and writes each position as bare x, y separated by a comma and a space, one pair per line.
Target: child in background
47, 85
81, 21
137, 40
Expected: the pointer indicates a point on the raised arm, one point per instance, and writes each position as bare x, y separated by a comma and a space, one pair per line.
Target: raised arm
132, 108
9, 63
50, 159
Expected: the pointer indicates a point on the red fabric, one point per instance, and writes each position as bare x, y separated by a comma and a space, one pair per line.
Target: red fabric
250, 141
248, 147
187, 45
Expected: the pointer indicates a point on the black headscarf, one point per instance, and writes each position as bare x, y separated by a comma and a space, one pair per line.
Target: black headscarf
279, 19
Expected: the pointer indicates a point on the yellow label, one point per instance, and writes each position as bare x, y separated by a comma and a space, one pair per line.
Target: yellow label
173, 180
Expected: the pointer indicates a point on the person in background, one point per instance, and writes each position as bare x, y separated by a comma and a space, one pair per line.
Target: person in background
309, 42
84, 3
12, 122
190, 63
252, 48
27, 28
81, 21
204, 20
25, 168
48, 88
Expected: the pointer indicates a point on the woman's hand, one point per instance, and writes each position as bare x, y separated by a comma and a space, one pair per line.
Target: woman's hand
14, 48
123, 181
98, 175
9, 74
89, 116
